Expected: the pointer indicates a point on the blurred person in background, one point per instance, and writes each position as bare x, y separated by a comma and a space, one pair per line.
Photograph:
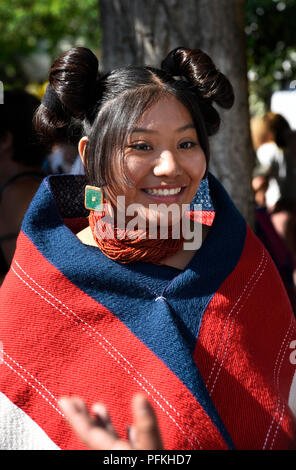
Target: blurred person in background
269, 141
283, 214
274, 187
21, 170
283, 218
62, 158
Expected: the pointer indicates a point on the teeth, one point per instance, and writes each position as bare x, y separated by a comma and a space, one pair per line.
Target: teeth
163, 192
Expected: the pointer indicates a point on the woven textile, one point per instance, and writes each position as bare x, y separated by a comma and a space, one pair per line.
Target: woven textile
210, 345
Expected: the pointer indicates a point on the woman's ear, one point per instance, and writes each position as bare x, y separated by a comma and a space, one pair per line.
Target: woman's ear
81, 148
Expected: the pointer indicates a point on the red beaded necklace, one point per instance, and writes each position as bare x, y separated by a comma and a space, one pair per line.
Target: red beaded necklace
128, 247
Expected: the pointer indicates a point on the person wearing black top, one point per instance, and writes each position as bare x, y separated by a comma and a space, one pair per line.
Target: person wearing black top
21, 158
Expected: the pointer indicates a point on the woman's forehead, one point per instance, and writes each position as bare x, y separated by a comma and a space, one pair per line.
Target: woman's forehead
168, 112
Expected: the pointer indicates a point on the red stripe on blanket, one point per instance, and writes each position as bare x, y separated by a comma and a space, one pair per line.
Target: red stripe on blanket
58, 341
243, 352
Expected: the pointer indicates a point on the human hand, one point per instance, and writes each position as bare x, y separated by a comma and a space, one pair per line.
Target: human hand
98, 433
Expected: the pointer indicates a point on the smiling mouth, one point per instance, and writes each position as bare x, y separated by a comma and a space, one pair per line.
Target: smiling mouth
163, 192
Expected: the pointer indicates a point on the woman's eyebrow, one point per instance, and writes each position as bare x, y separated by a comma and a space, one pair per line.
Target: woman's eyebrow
151, 131
184, 128
142, 129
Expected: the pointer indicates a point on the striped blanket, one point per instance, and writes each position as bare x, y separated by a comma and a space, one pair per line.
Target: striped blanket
212, 346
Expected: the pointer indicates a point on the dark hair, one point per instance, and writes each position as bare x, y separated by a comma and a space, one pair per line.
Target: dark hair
109, 106
16, 116
279, 127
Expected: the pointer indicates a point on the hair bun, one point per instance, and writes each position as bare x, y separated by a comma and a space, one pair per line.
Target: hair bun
73, 79
200, 71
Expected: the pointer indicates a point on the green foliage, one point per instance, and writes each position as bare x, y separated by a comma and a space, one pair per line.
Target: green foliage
271, 47
46, 27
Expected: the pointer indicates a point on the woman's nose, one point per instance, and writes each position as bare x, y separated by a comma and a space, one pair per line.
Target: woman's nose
167, 165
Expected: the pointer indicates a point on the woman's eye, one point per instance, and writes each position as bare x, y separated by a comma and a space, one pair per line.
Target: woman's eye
187, 145
140, 146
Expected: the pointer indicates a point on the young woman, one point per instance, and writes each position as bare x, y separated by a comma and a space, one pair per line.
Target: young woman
193, 328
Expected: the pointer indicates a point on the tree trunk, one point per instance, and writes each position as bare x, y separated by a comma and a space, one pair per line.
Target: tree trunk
143, 32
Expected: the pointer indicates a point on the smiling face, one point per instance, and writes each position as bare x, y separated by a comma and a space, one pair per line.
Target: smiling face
163, 158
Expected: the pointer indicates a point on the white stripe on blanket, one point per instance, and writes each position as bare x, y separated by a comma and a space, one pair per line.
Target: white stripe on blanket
18, 431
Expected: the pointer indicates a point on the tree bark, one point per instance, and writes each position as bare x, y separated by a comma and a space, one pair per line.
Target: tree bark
143, 32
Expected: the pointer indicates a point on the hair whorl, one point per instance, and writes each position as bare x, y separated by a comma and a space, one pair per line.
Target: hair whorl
73, 77
205, 79
200, 71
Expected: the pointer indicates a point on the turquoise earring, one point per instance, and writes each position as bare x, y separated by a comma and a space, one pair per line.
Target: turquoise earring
94, 198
